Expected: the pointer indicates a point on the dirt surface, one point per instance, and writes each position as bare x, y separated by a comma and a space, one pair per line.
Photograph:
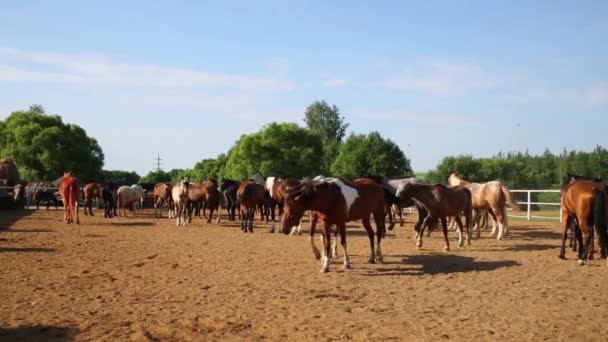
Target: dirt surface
143, 279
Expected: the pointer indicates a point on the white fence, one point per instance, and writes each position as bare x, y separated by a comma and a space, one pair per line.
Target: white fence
528, 203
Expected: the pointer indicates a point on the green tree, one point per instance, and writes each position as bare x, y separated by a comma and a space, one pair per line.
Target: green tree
156, 176
120, 177
277, 150
43, 146
372, 154
209, 168
326, 121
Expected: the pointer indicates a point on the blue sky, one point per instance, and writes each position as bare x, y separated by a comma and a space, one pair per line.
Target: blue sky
186, 79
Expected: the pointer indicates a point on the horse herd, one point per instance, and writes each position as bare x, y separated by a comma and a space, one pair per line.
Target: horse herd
332, 202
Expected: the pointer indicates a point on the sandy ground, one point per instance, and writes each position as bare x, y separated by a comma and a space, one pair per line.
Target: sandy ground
143, 279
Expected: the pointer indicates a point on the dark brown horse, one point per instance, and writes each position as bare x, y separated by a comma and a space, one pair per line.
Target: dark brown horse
90, 192
212, 199
585, 201
334, 202
250, 196
441, 202
229, 189
275, 187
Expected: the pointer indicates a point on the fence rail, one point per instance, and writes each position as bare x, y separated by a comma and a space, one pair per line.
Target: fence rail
529, 203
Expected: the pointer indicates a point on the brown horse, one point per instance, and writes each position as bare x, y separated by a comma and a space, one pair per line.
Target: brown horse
334, 203
162, 195
211, 199
492, 196
70, 194
250, 196
585, 201
441, 202
276, 190
90, 192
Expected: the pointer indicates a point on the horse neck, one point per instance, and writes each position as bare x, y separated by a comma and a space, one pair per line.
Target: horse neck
422, 195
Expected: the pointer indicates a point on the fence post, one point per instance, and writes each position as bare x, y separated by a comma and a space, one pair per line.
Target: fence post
529, 200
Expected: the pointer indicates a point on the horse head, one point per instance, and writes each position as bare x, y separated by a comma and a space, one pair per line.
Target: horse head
18, 193
293, 205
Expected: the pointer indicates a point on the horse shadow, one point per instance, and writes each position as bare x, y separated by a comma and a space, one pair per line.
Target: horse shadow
27, 230
535, 234
438, 264
26, 250
38, 333
130, 224
9, 217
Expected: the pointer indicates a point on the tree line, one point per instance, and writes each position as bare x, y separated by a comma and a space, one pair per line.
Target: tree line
42, 147
523, 170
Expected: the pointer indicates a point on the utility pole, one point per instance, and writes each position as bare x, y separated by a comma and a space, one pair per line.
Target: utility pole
158, 162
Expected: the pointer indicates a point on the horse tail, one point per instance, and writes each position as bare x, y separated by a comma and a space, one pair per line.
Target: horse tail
599, 214
242, 196
509, 200
69, 204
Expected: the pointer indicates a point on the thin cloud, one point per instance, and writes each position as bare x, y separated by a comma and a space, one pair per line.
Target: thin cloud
434, 119
333, 81
444, 79
99, 70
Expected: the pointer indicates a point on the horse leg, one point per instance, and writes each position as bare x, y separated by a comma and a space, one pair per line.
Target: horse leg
501, 225
494, 220
76, 209
251, 218
425, 222
313, 227
334, 246
444, 223
90, 207
85, 206
326, 247
587, 241
370, 234
380, 233
391, 223
342, 229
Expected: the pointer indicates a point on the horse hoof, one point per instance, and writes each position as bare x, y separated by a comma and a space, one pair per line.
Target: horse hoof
371, 260
347, 267
562, 257
581, 262
446, 249
324, 270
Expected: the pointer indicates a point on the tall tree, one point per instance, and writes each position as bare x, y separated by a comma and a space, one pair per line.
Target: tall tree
120, 177
326, 121
43, 146
277, 150
156, 176
370, 154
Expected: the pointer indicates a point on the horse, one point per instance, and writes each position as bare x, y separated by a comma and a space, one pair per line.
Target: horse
574, 225
250, 196
142, 195
47, 196
18, 194
229, 190
90, 192
334, 202
128, 196
492, 196
201, 196
394, 185
162, 195
441, 202
179, 193
70, 194
585, 201
213, 199
107, 196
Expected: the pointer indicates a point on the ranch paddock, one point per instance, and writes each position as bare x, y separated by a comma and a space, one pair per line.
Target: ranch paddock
144, 279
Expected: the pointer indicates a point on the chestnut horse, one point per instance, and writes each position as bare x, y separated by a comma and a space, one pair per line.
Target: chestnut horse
585, 201
70, 194
334, 203
162, 196
90, 192
441, 202
493, 196
250, 196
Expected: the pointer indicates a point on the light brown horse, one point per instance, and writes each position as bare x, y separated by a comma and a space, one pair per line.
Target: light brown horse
209, 197
334, 203
250, 196
162, 196
492, 196
441, 202
90, 192
70, 194
585, 201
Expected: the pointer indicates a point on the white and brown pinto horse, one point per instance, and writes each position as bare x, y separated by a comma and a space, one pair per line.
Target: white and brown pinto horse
334, 203
179, 194
492, 196
275, 186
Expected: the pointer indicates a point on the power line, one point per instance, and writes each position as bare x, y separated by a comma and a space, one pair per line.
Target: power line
158, 162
